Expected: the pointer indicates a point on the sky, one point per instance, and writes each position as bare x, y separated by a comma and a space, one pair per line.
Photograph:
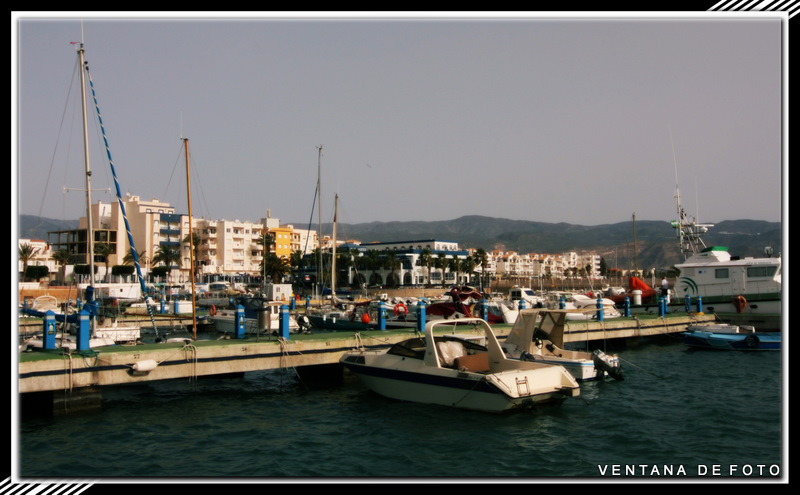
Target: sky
584, 119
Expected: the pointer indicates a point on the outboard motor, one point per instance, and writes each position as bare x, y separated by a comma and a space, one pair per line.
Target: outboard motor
608, 363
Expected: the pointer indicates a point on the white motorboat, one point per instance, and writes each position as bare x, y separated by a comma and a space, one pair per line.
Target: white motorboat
538, 336
452, 371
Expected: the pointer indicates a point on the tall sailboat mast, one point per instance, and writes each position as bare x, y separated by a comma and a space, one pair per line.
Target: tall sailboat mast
191, 238
89, 233
319, 219
333, 259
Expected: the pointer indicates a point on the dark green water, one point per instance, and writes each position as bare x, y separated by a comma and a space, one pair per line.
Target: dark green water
680, 415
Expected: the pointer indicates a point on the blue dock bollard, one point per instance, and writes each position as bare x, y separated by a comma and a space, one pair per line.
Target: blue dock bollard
562, 303
699, 304
238, 322
661, 306
163, 306
627, 306
600, 314
84, 330
484, 310
421, 316
49, 330
308, 301
521, 304
382, 316
175, 306
283, 325
688, 303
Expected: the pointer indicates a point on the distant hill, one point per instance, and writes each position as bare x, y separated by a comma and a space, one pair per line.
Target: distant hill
656, 241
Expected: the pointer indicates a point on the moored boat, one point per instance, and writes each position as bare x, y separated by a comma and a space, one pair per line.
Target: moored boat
451, 371
538, 336
730, 338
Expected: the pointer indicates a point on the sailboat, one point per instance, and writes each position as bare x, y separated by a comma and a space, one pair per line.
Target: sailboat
340, 315
105, 327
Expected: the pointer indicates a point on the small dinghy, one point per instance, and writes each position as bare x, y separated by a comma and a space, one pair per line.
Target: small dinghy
730, 338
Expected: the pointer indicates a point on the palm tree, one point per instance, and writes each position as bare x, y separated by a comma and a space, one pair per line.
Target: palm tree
167, 255
61, 258
426, 259
104, 250
441, 263
275, 267
26, 253
481, 259
468, 265
392, 263
373, 261
455, 266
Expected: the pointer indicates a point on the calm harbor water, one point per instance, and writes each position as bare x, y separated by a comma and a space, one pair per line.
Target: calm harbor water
680, 415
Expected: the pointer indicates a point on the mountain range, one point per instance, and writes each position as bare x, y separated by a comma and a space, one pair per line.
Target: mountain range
656, 243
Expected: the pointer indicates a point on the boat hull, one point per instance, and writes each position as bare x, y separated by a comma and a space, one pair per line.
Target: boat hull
495, 393
760, 341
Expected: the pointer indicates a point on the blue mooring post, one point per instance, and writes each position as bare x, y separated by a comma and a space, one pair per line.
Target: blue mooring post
175, 306
699, 304
562, 303
238, 322
421, 316
382, 316
284, 323
293, 303
599, 308
688, 303
49, 330
163, 306
627, 306
84, 330
484, 310
661, 306
521, 304
308, 301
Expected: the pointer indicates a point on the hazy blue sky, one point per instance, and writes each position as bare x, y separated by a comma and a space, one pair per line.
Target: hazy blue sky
568, 119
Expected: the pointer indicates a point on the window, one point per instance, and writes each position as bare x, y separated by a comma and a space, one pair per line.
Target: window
721, 273
761, 271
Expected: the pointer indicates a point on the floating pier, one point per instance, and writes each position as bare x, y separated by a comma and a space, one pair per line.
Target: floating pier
63, 373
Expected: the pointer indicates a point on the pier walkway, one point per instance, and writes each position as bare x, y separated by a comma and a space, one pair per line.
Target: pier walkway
64, 371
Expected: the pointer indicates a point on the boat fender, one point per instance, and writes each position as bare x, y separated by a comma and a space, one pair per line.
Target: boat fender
213, 310
751, 341
400, 307
143, 367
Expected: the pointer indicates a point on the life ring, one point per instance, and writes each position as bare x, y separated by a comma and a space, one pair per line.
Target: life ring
213, 310
751, 341
740, 303
400, 307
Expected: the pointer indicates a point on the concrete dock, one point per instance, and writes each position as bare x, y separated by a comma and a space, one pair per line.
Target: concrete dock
68, 373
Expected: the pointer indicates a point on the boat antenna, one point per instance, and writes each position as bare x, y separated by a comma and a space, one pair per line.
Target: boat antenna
688, 229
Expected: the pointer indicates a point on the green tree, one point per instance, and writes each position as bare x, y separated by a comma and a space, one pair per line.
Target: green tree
426, 260
61, 258
482, 260
26, 254
274, 267
104, 251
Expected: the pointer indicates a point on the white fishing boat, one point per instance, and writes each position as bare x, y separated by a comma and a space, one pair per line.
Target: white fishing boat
741, 291
451, 371
538, 336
